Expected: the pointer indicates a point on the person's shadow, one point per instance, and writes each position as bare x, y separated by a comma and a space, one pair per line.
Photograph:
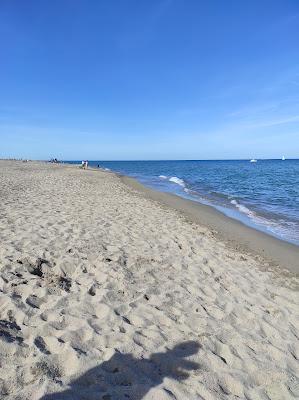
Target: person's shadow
126, 377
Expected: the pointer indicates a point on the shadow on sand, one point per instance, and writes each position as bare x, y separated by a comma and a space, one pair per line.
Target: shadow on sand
126, 377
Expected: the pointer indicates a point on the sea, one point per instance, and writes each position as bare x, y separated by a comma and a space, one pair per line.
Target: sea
262, 194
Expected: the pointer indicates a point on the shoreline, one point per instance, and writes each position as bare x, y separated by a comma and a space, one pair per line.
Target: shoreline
259, 203
236, 234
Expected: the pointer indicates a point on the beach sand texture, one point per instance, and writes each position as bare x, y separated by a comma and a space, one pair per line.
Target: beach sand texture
106, 294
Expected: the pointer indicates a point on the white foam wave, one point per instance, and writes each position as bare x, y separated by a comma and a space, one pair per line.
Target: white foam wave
162, 176
270, 225
281, 228
243, 209
177, 180
107, 169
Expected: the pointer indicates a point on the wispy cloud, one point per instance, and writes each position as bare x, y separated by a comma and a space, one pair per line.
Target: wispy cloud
273, 122
254, 109
243, 120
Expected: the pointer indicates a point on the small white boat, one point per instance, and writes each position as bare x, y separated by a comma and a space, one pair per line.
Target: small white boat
253, 160
283, 158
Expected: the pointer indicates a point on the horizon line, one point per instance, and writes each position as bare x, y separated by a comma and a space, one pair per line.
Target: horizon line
146, 160
182, 159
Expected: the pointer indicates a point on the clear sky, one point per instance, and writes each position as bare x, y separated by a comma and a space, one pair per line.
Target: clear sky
149, 79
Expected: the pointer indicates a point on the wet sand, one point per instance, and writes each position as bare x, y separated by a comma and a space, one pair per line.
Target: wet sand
107, 293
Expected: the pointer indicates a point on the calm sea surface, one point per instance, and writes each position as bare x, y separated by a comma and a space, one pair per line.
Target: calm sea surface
264, 194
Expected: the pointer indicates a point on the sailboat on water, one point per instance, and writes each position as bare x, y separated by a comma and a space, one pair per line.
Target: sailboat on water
283, 158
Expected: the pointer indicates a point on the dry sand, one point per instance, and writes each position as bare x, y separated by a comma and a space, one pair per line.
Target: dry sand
107, 294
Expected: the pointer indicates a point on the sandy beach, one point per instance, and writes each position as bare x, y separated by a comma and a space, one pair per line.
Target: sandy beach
109, 291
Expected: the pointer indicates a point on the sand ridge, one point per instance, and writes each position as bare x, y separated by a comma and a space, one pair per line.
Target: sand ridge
105, 294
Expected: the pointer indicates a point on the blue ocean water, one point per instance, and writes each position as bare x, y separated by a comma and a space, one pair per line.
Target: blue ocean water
264, 194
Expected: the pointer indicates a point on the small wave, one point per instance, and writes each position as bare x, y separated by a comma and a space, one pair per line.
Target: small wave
107, 169
269, 224
162, 176
276, 227
244, 209
177, 180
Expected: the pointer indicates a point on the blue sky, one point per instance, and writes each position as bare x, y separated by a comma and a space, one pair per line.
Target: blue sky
159, 79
